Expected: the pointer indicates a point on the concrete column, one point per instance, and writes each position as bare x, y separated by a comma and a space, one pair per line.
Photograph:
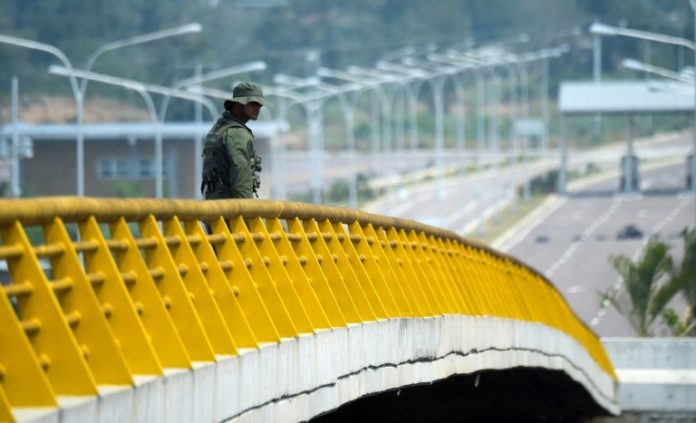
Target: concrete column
628, 162
15, 190
314, 129
197, 142
563, 166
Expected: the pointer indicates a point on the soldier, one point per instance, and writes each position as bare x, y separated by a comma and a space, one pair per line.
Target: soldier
230, 164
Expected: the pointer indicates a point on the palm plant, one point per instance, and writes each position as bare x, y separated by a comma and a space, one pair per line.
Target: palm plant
685, 276
644, 296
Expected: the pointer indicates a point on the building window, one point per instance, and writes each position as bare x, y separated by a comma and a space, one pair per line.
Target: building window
123, 168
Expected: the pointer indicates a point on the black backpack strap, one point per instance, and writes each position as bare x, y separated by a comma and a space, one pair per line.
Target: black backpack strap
216, 163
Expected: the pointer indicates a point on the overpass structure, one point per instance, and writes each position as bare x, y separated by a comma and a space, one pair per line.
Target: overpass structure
250, 310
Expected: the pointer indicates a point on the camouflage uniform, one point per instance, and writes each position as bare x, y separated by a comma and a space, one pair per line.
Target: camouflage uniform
230, 164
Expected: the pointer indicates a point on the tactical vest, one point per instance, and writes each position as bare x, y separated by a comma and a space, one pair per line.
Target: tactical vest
216, 165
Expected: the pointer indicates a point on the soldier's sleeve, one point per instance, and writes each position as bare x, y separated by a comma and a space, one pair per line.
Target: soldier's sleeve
240, 167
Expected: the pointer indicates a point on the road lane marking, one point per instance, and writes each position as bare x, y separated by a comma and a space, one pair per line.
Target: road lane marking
524, 227
659, 226
577, 289
570, 251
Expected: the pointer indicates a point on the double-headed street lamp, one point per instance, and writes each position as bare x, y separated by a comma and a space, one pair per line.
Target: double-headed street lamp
436, 77
79, 90
312, 103
191, 28
367, 80
144, 90
22, 42
665, 73
601, 29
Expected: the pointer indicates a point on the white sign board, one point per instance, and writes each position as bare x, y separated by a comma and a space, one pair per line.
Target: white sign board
529, 127
5, 170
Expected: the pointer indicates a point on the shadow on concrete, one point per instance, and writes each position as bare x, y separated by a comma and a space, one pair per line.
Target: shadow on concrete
514, 395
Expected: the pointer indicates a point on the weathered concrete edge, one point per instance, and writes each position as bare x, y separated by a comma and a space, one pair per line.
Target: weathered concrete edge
303, 377
476, 344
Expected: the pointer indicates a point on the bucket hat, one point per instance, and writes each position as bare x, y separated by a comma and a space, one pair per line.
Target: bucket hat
246, 92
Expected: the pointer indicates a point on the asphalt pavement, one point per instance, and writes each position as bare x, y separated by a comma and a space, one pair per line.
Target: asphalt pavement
569, 239
572, 246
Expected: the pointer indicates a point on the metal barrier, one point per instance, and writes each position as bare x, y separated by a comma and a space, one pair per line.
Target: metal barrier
101, 290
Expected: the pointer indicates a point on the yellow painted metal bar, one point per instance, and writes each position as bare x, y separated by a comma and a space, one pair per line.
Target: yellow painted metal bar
411, 284
195, 284
357, 282
251, 299
440, 267
118, 304
420, 245
47, 328
409, 304
331, 256
229, 305
391, 239
353, 311
147, 301
286, 321
455, 263
21, 377
281, 247
490, 285
174, 294
358, 253
337, 309
5, 408
478, 281
92, 332
260, 241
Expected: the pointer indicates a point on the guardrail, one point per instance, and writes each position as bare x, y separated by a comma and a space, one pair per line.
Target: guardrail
101, 290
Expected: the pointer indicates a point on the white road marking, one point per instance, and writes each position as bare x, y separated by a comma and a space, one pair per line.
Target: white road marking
529, 223
570, 251
576, 289
659, 226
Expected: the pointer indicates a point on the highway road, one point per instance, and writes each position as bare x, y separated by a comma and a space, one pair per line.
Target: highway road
459, 204
573, 244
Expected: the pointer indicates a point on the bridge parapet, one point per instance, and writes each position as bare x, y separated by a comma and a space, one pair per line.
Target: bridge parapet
157, 310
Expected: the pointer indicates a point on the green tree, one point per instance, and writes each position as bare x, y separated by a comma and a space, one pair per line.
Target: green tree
685, 277
648, 286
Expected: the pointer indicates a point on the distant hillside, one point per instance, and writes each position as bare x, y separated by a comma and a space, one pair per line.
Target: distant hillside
62, 110
282, 32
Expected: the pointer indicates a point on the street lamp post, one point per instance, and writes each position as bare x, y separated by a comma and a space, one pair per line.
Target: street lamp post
15, 189
22, 42
313, 109
693, 153
80, 89
144, 90
190, 28
436, 79
602, 29
481, 119
383, 83
348, 106
410, 85
454, 72
665, 73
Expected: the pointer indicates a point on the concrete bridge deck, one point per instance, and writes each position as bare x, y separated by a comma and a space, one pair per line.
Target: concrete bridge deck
179, 310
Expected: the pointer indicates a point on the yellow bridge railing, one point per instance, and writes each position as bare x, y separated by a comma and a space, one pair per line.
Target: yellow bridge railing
100, 290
